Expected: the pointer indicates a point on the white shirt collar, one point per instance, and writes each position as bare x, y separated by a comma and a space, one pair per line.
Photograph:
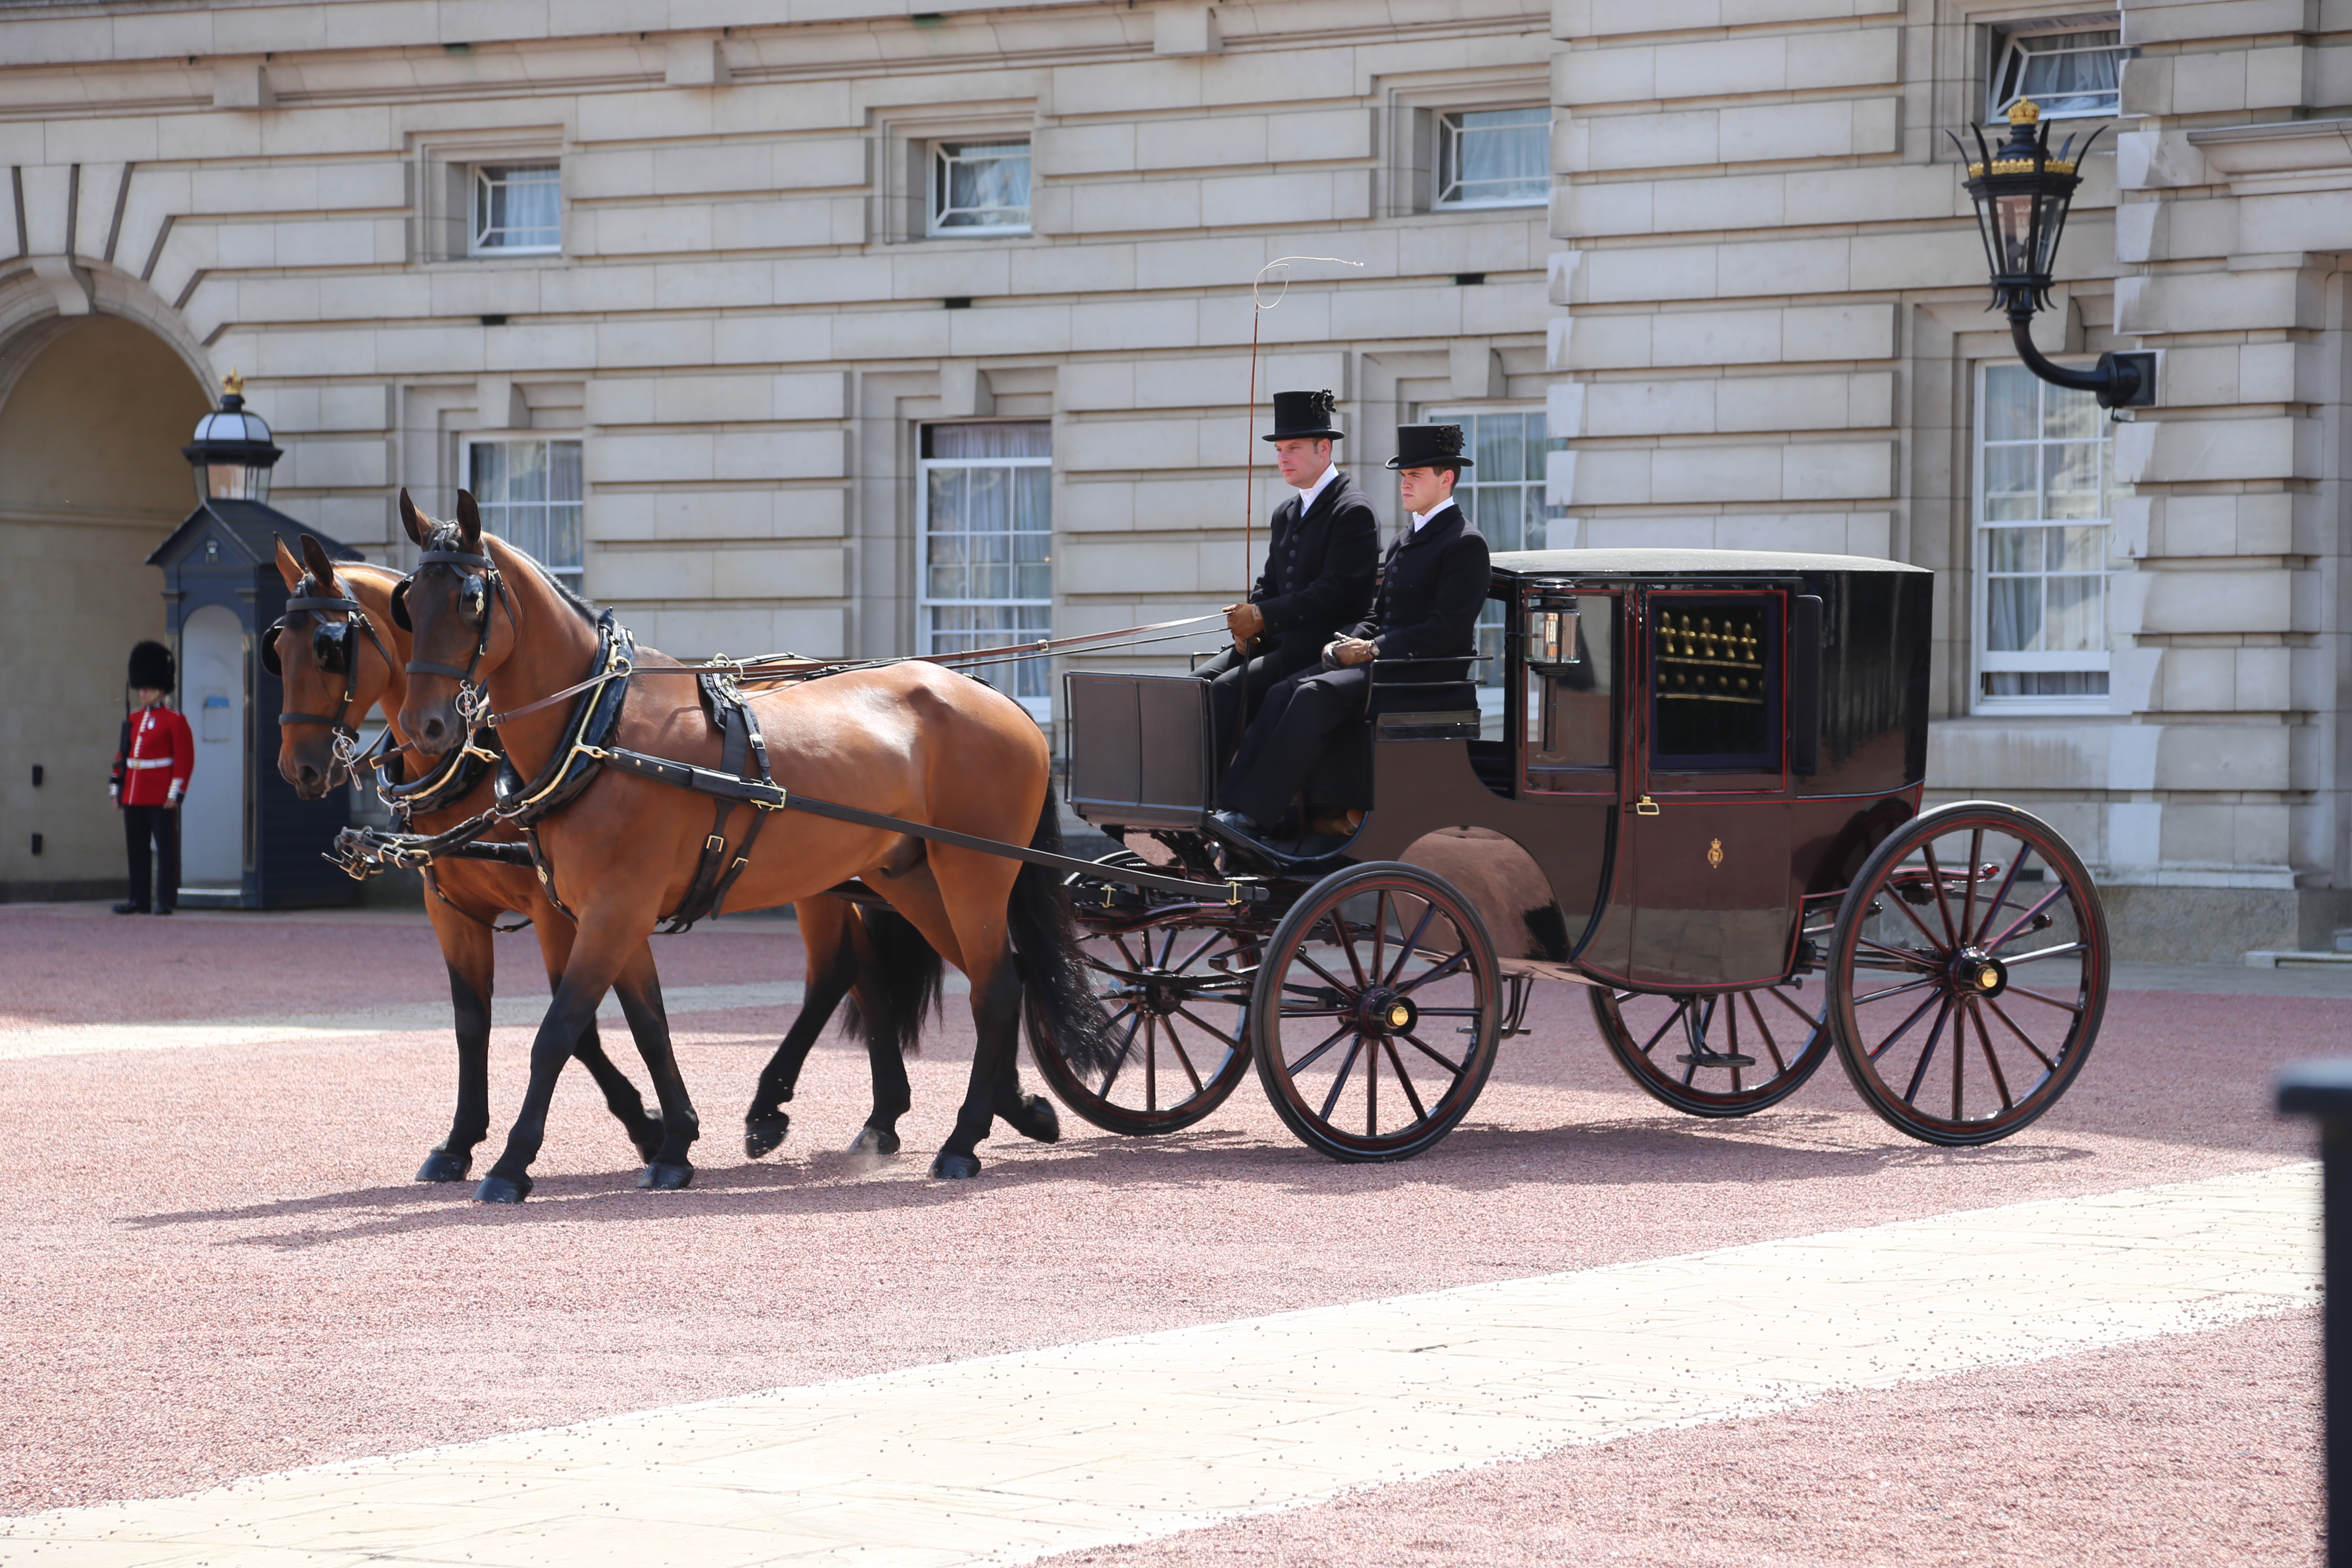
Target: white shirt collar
1307, 497
1420, 517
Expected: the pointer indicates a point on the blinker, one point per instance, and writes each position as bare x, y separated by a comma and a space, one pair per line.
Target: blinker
400, 606
269, 650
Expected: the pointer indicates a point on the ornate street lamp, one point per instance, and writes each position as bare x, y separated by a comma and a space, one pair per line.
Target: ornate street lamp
2021, 194
232, 454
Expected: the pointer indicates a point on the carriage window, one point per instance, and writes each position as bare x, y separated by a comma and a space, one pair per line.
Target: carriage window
1715, 695
986, 502
1569, 712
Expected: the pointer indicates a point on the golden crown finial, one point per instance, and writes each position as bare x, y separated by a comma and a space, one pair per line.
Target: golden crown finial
232, 383
2024, 111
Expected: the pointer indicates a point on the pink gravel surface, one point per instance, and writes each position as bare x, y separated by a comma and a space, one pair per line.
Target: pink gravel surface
214, 1262
2199, 1450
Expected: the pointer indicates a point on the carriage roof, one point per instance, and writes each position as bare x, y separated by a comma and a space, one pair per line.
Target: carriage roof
1712, 563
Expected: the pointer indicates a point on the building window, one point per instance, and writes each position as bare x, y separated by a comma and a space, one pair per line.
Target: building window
2067, 73
2041, 544
517, 210
1502, 494
529, 490
985, 495
1493, 157
979, 187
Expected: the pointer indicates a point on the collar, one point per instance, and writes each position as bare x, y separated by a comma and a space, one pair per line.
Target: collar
1307, 497
1422, 518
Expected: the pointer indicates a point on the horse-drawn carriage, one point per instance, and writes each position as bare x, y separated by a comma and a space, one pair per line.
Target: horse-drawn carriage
1703, 807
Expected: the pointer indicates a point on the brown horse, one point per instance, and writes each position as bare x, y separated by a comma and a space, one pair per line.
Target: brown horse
907, 740
334, 671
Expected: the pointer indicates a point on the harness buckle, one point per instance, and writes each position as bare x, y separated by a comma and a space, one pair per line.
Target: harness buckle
783, 798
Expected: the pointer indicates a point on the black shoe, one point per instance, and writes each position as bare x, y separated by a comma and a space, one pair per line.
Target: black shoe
164, 911
130, 909
1234, 825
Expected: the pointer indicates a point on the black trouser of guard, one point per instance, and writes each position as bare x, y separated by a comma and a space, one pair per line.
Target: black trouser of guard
1288, 737
160, 823
1226, 675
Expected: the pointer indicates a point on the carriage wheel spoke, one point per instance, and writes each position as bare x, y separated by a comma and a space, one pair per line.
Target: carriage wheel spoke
1905, 956
1126, 1048
1373, 1091
1410, 946
1309, 1060
1234, 1040
1336, 983
1984, 1042
1152, 1063
1382, 907
1903, 907
1731, 1035
2024, 1038
2010, 932
1927, 1054
1672, 1019
1898, 990
1339, 1081
2000, 899
1935, 883
1780, 1063
1456, 1069
2015, 990
1194, 957
1184, 1057
1420, 1112
2039, 953
1976, 858
1347, 933
1781, 997
1448, 967
1959, 1057
1888, 1044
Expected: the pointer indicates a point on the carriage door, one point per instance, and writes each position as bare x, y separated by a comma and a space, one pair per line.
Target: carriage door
1704, 816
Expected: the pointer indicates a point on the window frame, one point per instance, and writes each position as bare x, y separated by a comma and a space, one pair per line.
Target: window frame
1982, 660
573, 577
937, 152
1039, 708
2005, 38
1446, 129
478, 177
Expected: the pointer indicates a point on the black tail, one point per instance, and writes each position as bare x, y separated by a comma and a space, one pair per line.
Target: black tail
1060, 1004
906, 976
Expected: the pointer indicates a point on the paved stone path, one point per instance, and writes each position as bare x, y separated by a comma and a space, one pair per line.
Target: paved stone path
1011, 1457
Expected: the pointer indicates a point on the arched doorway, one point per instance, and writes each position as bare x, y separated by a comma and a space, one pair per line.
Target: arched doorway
91, 481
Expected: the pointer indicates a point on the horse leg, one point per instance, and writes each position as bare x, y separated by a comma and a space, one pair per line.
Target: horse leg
605, 942
621, 1096
899, 974
831, 968
465, 948
639, 990
977, 890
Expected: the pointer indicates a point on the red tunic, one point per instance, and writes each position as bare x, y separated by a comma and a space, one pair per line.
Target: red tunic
159, 754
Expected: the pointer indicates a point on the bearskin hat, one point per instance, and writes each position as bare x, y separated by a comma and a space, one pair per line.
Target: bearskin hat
151, 667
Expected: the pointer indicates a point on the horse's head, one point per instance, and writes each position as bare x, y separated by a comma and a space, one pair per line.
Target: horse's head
446, 605
334, 664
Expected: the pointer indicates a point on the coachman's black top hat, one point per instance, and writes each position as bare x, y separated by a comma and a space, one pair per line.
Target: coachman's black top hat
1304, 416
151, 667
1429, 447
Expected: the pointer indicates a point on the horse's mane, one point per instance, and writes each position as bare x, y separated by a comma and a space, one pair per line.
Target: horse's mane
449, 536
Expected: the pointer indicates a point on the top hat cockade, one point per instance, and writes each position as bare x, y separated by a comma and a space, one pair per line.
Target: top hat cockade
1304, 416
1429, 447
151, 667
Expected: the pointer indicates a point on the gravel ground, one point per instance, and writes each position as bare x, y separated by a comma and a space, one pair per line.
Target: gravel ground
213, 1263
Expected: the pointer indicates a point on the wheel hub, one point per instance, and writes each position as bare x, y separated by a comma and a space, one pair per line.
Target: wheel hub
1975, 973
1381, 1011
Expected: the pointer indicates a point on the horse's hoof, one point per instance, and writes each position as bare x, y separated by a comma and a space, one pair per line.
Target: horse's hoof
497, 1189
1037, 1119
762, 1134
442, 1166
950, 1167
660, 1178
879, 1142
647, 1136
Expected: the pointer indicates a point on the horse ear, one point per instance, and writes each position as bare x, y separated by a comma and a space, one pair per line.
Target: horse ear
469, 521
419, 526
322, 568
287, 567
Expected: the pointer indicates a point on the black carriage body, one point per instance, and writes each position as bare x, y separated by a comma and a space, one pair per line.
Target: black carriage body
1702, 742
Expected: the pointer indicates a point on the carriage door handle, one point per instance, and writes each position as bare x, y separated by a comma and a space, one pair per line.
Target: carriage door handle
1646, 806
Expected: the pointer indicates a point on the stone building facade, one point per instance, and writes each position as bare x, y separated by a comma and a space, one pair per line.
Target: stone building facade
1773, 333
757, 313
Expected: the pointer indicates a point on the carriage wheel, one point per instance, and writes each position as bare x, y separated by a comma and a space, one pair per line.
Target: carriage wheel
1968, 974
1377, 1010
1176, 999
1727, 1054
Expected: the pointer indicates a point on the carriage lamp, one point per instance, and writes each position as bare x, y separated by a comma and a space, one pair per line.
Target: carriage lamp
232, 454
2022, 193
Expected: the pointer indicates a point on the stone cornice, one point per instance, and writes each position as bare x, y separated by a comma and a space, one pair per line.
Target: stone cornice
2303, 154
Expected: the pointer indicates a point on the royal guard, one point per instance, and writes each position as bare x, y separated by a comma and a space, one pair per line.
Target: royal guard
1322, 548
150, 777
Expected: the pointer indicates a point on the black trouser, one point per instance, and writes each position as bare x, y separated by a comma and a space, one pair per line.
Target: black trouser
1226, 675
141, 822
1287, 739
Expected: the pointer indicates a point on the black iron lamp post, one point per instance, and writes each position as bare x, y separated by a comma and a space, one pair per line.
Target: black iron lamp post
2021, 194
2323, 1089
232, 454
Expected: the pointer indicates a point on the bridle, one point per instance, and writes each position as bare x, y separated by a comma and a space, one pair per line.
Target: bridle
330, 650
478, 583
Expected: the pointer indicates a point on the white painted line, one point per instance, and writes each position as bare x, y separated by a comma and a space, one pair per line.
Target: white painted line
1016, 1456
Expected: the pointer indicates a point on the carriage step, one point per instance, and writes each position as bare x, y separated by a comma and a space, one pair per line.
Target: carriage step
1716, 1059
